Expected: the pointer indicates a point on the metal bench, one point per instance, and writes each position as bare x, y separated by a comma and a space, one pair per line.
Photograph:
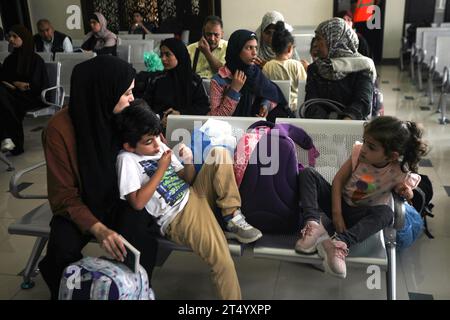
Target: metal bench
333, 139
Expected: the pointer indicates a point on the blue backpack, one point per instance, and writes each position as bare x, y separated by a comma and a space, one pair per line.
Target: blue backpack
103, 279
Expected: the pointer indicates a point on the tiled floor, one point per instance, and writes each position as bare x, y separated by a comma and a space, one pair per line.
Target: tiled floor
423, 270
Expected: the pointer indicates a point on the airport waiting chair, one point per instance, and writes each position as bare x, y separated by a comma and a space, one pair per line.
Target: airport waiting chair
68, 62
285, 87
46, 56
53, 96
4, 46
3, 55
124, 52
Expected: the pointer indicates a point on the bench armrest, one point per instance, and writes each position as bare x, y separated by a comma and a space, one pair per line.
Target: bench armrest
399, 211
60, 95
15, 179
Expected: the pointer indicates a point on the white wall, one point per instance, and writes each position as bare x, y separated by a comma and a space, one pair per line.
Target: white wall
247, 14
393, 28
55, 11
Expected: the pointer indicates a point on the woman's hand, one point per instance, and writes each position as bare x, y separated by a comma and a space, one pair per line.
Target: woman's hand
238, 81
263, 112
109, 240
22, 86
260, 62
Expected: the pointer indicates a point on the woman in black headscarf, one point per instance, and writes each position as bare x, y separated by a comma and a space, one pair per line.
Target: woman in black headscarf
176, 90
80, 149
23, 77
240, 88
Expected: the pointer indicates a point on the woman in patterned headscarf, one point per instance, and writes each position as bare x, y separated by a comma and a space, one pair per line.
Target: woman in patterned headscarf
100, 39
340, 73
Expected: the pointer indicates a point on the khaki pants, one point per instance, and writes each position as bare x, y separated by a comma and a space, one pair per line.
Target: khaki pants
197, 227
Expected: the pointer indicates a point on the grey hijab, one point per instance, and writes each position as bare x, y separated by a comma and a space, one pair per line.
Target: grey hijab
342, 43
269, 18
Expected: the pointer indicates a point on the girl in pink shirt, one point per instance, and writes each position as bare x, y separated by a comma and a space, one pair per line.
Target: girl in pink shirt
356, 205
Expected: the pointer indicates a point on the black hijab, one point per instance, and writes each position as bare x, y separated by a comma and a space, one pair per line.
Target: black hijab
257, 87
96, 87
25, 54
181, 75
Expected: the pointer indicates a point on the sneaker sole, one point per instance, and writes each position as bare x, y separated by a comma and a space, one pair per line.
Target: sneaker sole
309, 251
234, 236
323, 254
313, 249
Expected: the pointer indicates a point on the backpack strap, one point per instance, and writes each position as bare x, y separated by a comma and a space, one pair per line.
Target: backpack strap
195, 62
425, 210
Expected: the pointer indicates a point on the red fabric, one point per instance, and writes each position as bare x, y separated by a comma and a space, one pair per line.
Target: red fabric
364, 11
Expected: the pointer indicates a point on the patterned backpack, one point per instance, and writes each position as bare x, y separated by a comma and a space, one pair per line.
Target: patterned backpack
103, 279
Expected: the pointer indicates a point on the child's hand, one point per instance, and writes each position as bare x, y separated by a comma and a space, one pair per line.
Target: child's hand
403, 190
185, 154
166, 160
338, 222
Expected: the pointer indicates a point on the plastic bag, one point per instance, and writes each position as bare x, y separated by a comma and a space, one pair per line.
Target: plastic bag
153, 62
412, 229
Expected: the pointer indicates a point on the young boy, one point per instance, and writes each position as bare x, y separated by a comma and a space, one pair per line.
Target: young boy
151, 177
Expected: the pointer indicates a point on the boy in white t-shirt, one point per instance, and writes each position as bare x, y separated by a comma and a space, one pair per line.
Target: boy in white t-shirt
151, 177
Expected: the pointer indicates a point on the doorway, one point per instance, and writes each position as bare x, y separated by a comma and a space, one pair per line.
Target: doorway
371, 30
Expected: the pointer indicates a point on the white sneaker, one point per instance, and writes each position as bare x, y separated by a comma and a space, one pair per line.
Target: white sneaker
333, 252
238, 229
7, 145
311, 235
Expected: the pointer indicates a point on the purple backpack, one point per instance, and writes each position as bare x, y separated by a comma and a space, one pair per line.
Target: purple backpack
269, 188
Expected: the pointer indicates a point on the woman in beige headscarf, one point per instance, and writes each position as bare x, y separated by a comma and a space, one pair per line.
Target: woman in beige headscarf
265, 32
100, 39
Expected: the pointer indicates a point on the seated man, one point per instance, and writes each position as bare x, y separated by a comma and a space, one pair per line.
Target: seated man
208, 54
50, 40
139, 26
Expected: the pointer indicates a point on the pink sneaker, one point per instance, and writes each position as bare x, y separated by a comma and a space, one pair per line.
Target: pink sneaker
333, 253
310, 236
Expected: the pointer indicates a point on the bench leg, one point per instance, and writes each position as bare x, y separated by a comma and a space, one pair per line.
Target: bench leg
38, 247
419, 76
7, 162
430, 89
391, 274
